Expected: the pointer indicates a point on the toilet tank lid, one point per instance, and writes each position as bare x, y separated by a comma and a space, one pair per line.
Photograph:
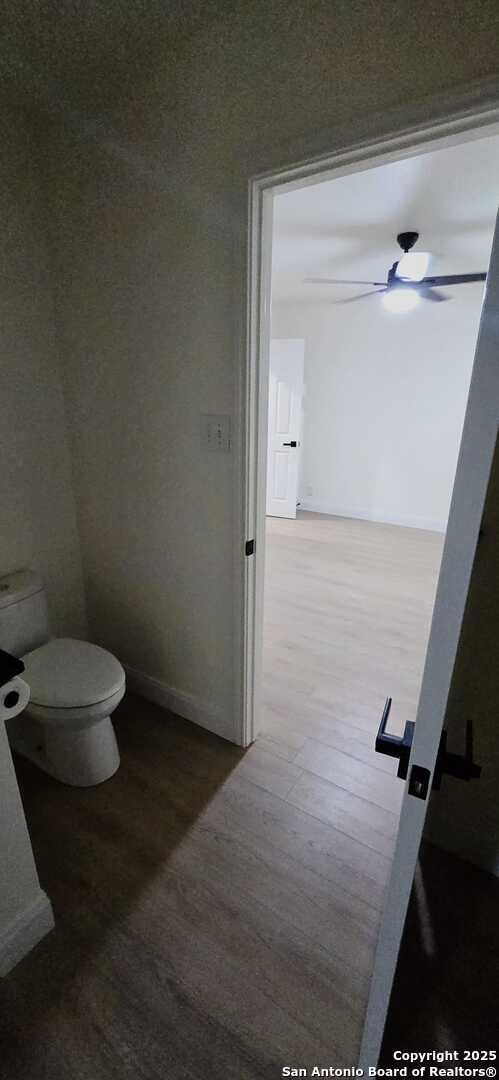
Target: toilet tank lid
18, 586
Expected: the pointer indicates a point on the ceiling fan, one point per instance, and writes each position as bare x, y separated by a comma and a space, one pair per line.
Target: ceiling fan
406, 282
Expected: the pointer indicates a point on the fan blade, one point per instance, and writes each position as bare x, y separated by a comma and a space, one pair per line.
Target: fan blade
360, 296
338, 281
433, 294
453, 279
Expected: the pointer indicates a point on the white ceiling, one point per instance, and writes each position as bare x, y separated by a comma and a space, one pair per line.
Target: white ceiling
347, 227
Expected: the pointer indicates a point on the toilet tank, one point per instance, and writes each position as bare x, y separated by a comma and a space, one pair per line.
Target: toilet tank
24, 623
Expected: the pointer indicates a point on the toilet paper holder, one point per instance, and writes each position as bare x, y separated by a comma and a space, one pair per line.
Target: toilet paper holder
14, 691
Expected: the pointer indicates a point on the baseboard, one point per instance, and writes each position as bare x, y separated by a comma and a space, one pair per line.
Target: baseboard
24, 932
428, 524
188, 706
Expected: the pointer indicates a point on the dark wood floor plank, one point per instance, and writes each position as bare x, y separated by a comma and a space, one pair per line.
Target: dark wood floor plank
348, 864
203, 926
357, 777
339, 735
360, 820
217, 909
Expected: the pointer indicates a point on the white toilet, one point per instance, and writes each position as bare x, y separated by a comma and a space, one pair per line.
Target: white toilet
74, 688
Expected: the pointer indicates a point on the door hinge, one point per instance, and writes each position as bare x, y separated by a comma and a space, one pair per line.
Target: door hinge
249, 547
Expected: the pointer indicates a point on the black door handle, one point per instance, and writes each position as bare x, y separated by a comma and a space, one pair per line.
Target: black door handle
397, 746
461, 766
290, 443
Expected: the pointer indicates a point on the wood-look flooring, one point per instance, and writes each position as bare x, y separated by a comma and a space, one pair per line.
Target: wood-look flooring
348, 607
216, 909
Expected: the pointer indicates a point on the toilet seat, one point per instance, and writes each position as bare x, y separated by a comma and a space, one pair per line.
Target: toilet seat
74, 718
67, 674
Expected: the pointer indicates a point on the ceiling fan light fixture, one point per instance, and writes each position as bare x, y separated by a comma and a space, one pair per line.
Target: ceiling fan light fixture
400, 301
413, 266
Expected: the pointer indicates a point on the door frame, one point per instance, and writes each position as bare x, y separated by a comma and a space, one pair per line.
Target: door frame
462, 126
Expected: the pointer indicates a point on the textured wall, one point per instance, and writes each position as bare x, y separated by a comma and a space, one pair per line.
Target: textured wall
38, 526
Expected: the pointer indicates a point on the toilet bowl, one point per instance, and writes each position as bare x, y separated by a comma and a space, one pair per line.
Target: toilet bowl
74, 687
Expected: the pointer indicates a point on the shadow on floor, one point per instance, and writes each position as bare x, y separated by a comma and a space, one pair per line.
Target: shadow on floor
104, 853
447, 982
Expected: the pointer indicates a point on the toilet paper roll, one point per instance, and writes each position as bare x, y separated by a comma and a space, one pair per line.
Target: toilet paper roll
14, 696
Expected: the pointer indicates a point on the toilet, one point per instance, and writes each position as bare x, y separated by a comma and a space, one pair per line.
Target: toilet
74, 687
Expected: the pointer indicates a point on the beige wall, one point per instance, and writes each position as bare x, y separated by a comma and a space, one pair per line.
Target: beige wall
147, 346
151, 210
38, 526
38, 522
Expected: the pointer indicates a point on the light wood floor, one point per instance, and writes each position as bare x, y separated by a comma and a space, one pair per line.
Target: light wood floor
348, 607
217, 910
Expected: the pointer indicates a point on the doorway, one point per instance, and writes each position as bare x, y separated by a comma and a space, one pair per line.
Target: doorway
398, 548
366, 407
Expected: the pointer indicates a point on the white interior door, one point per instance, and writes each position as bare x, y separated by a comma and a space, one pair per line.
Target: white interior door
470, 487
285, 405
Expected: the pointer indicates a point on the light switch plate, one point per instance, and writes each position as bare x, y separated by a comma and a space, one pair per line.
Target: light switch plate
216, 432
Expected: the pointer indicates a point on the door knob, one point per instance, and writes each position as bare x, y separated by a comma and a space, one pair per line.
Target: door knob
293, 443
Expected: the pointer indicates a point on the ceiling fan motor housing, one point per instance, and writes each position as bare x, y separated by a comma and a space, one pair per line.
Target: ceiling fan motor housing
411, 278
406, 240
